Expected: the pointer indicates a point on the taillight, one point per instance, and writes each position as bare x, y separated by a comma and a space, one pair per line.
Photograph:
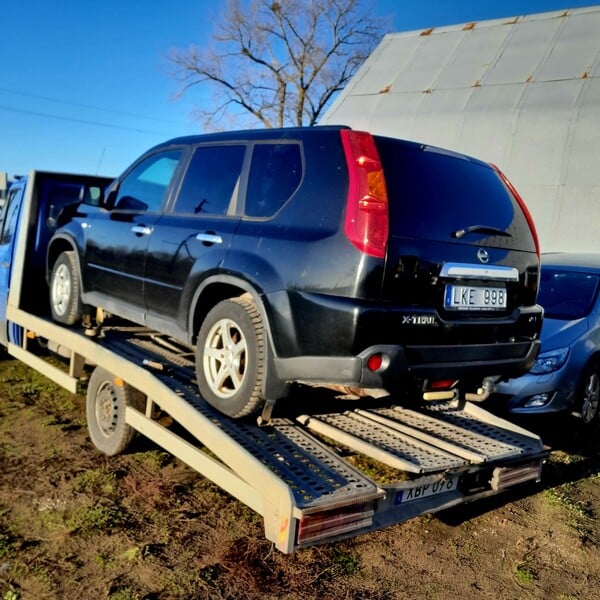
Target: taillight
367, 218
334, 522
523, 206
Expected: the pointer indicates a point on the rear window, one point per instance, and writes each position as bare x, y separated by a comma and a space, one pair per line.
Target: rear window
567, 295
434, 193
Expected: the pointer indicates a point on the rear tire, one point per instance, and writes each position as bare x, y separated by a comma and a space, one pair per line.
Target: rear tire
107, 399
230, 357
589, 394
65, 290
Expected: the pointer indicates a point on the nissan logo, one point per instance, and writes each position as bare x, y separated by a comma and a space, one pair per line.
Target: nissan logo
483, 255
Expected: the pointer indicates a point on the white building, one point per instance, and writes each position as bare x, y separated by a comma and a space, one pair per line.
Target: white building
521, 92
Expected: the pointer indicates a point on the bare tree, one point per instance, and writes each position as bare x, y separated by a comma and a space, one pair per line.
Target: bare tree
279, 63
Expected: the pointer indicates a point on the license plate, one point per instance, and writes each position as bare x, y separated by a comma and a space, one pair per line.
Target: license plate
463, 297
426, 489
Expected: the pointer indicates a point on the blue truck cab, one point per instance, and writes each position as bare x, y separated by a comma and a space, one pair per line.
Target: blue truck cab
34, 206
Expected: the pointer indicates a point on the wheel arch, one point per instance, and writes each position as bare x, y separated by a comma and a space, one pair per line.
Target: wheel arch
593, 361
216, 289
223, 287
59, 244
589, 414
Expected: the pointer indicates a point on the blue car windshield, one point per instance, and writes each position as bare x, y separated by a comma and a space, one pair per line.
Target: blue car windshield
567, 295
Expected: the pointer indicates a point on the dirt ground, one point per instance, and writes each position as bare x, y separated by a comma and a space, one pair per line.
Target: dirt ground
75, 524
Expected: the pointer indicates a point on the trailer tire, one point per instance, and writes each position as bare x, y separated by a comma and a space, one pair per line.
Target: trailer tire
230, 357
65, 289
106, 401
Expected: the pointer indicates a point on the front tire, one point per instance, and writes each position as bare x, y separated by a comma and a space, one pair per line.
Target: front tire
65, 290
589, 396
230, 357
107, 399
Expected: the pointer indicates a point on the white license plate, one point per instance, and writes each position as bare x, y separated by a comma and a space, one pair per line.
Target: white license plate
463, 297
426, 489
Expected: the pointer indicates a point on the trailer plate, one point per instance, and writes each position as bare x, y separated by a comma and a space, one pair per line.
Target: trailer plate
424, 490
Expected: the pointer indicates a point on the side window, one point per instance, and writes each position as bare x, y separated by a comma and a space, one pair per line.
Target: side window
145, 188
275, 174
8, 218
211, 180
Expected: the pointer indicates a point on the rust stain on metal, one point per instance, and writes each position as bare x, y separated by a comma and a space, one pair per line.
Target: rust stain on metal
477, 83
427, 31
528, 80
585, 75
386, 89
428, 91
515, 20
469, 26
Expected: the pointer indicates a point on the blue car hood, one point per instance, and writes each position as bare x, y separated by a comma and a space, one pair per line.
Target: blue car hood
557, 333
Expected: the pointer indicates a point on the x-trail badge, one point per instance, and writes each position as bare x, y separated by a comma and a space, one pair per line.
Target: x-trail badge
483, 255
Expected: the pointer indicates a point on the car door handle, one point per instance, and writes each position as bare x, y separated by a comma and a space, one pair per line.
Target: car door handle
209, 238
141, 230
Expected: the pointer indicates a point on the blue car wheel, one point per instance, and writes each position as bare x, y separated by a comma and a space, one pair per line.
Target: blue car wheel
590, 394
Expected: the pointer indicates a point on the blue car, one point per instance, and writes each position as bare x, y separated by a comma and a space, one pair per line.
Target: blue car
566, 374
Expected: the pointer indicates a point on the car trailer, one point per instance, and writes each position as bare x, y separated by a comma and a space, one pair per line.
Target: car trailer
292, 472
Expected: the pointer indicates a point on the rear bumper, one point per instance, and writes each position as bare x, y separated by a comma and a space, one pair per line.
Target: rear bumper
322, 338
401, 365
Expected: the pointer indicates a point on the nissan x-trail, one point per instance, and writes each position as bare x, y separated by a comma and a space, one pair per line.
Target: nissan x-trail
321, 255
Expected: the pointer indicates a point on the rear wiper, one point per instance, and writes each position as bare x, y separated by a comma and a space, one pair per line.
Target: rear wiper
479, 229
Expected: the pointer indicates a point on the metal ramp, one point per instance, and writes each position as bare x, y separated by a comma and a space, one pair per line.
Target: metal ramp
433, 438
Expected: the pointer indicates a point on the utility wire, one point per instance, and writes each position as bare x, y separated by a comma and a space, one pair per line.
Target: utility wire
90, 106
84, 121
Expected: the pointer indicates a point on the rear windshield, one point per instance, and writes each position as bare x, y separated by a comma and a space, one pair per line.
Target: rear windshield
567, 295
434, 193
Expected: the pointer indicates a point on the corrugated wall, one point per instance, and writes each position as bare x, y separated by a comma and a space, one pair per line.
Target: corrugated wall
521, 92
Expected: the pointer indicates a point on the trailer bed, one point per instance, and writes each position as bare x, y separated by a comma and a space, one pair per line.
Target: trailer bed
297, 471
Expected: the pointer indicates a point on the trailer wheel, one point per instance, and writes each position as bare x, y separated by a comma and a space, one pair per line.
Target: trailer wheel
65, 297
230, 357
107, 398
589, 395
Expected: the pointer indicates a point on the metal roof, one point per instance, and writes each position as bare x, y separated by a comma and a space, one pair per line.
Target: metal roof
521, 92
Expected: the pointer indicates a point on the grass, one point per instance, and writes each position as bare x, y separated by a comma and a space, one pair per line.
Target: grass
6, 546
99, 517
346, 563
579, 518
124, 593
96, 481
524, 574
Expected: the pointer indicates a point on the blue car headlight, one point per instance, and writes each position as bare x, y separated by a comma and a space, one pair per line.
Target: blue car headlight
547, 362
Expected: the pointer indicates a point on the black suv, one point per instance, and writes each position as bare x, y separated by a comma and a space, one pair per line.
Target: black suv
320, 255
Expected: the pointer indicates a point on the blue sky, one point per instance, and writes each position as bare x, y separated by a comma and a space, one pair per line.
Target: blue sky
85, 86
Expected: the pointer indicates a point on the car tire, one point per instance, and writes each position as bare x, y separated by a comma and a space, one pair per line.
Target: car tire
65, 290
589, 394
107, 399
230, 357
